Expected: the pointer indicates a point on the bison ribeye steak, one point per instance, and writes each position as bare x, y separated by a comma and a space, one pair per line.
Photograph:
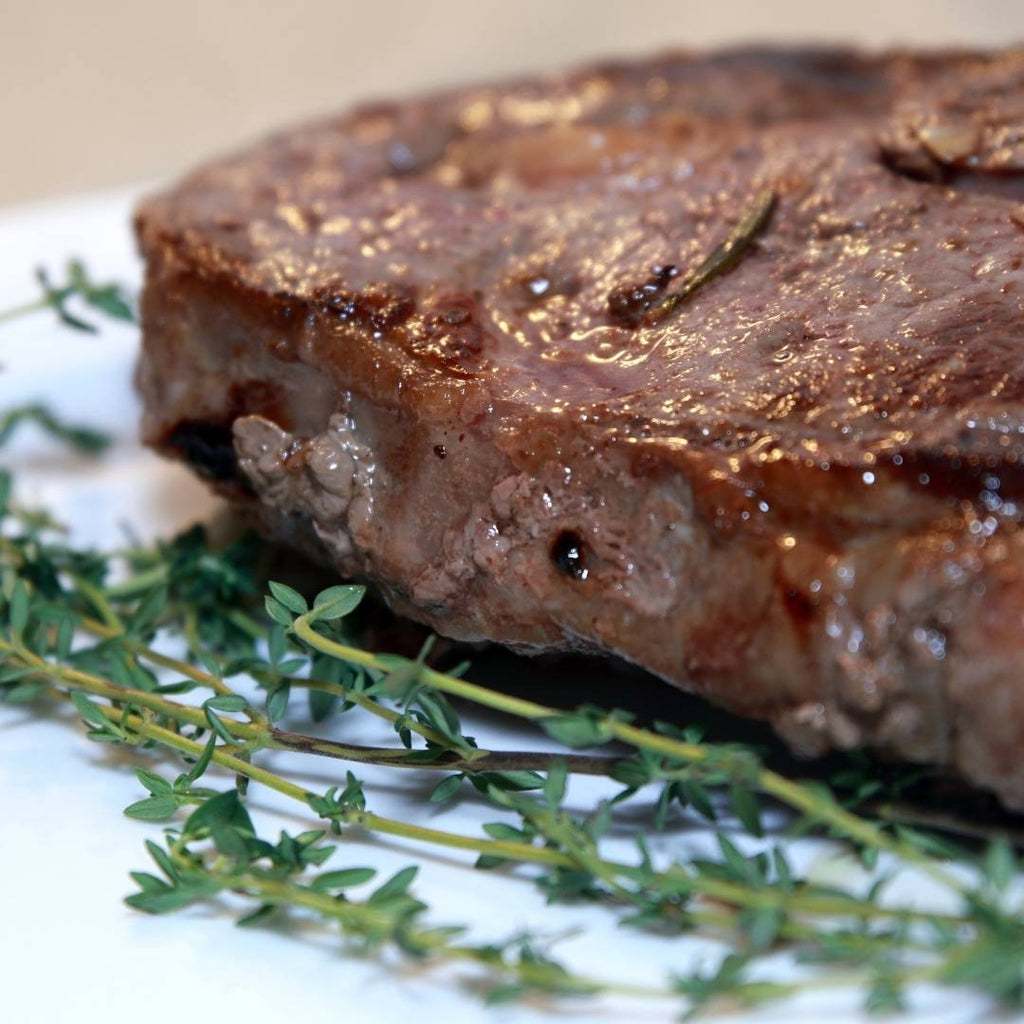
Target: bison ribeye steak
465, 347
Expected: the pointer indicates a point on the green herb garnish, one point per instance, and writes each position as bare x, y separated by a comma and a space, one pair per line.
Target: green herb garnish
84, 439
649, 303
87, 629
109, 299
114, 676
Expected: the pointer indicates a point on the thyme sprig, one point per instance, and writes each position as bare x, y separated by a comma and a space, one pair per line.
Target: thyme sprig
84, 439
93, 631
109, 298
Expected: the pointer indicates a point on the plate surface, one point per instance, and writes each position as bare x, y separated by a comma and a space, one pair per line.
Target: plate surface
69, 948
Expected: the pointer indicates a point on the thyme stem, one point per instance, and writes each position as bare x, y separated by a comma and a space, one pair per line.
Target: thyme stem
793, 794
752, 901
36, 306
725, 892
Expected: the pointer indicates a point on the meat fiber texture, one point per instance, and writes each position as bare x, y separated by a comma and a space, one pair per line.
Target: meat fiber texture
420, 339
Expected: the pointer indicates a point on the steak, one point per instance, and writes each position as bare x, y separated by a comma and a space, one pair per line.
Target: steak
712, 362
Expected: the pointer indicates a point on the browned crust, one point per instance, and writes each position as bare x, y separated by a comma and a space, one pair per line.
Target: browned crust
786, 507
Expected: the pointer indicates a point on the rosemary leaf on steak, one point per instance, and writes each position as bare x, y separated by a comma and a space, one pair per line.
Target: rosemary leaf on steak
649, 303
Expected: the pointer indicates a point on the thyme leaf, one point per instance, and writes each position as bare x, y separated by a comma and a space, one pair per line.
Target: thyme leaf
69, 633
109, 298
84, 439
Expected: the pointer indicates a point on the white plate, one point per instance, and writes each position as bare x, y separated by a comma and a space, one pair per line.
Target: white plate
69, 948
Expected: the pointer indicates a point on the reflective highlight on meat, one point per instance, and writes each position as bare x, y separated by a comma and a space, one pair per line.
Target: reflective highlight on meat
446, 337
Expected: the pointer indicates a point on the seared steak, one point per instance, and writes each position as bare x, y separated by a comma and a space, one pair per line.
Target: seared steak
459, 346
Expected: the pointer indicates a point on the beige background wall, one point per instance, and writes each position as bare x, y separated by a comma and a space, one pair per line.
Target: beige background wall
108, 91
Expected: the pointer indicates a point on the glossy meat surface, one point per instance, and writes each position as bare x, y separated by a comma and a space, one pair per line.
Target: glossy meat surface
409, 334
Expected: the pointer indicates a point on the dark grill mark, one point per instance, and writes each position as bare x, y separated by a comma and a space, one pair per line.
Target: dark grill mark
379, 313
914, 164
918, 165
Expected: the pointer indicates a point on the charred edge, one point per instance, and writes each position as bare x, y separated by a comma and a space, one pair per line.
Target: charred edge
914, 165
920, 167
569, 554
960, 477
379, 313
208, 448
